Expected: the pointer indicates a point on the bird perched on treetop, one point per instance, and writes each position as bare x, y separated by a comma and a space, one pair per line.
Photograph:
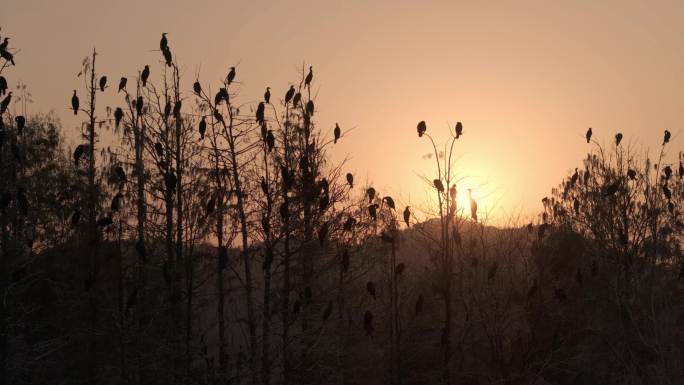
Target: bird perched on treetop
337, 132
309, 77
407, 216
103, 82
231, 75
350, 180
267, 95
459, 129
289, 94
74, 103
122, 84
588, 135
666, 137
618, 138
145, 74
422, 127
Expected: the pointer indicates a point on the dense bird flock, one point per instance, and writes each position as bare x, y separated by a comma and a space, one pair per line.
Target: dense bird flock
212, 241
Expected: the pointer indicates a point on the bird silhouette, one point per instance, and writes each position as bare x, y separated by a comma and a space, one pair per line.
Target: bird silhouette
370, 192
438, 185
78, 153
390, 202
618, 138
145, 75
221, 95
103, 82
611, 189
267, 95
202, 127
163, 43
368, 323
574, 177
197, 87
407, 216
631, 174
120, 174
370, 287
3, 45
118, 115
473, 205
122, 84
297, 98
422, 127
218, 116
289, 94
350, 180
167, 109
231, 75
5, 103
309, 77
588, 135
159, 149
74, 103
459, 129
3, 85
21, 122
337, 132
666, 137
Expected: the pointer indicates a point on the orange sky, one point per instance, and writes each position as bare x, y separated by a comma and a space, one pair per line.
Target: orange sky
526, 78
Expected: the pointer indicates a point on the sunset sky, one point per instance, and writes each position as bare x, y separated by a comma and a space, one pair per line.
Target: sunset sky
526, 78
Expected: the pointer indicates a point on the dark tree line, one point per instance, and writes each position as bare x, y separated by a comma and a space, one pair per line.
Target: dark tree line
191, 237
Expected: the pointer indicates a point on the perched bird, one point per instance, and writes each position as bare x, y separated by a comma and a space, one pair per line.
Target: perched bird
270, 140
368, 322
328, 311
588, 135
177, 109
118, 115
218, 116
459, 129
21, 123
438, 185
231, 75
3, 85
337, 132
163, 43
422, 127
3, 45
289, 94
202, 127
419, 304
197, 87
631, 174
350, 180
390, 202
78, 153
5, 103
267, 95
666, 137
103, 82
296, 99
370, 287
370, 192
120, 174
260, 113
167, 109
145, 74
611, 189
407, 216
574, 177
309, 77
122, 84
74, 103
473, 206
618, 138
159, 149
310, 107
221, 95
